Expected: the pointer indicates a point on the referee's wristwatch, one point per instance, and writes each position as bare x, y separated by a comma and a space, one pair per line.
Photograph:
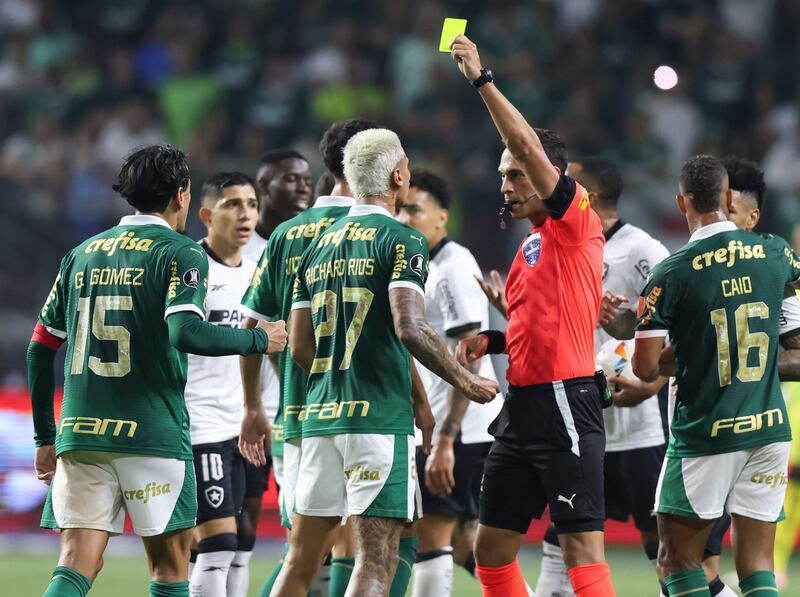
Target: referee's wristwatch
486, 77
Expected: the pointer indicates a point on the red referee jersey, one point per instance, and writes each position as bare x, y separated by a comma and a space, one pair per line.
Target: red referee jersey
553, 291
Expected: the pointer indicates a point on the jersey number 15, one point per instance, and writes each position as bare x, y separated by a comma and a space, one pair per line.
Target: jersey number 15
102, 331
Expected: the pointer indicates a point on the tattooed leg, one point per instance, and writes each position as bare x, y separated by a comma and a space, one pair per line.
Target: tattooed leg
377, 541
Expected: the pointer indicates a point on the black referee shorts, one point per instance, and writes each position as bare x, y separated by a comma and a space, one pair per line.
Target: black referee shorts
631, 478
548, 450
462, 503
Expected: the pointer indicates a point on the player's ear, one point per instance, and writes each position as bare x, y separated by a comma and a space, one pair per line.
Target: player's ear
755, 216
205, 216
444, 215
728, 200
681, 201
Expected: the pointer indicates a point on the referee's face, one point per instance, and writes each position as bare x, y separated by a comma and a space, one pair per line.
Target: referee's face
518, 191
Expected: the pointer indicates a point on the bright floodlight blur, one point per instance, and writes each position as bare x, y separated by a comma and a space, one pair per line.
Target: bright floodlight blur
665, 77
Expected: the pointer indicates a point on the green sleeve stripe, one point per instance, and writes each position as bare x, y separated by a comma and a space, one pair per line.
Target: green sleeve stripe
185, 307
403, 284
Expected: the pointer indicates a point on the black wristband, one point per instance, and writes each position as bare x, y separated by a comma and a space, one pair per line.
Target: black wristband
497, 341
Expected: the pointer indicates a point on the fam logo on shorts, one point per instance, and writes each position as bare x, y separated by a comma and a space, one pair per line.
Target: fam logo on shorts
532, 249
215, 495
191, 277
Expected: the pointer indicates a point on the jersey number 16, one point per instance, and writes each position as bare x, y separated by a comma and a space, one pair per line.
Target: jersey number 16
745, 340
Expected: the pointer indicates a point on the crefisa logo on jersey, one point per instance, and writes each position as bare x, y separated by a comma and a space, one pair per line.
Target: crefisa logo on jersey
532, 249
191, 277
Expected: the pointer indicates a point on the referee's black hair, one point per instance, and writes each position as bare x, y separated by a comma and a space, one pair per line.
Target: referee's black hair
554, 148
746, 177
214, 186
151, 176
331, 147
433, 184
704, 178
605, 178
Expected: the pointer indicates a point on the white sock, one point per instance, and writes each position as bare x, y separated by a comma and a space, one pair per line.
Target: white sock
239, 574
727, 592
433, 577
210, 574
322, 582
553, 579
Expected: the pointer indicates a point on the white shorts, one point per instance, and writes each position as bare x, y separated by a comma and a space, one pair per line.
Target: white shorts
749, 482
291, 467
93, 490
358, 474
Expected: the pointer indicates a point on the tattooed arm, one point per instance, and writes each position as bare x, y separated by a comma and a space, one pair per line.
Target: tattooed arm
408, 312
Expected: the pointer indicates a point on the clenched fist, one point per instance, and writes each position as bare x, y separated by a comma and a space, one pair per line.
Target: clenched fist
276, 330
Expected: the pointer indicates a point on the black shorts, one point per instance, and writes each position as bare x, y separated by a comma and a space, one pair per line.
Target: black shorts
468, 469
548, 450
714, 543
256, 479
220, 473
631, 480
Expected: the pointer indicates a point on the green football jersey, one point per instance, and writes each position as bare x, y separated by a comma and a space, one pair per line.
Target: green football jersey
270, 297
123, 387
360, 381
719, 298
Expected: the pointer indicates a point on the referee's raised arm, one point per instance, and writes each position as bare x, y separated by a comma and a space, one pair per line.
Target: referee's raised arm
518, 136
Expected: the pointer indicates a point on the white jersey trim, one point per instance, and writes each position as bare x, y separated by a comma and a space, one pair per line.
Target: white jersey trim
186, 307
404, 284
252, 314
301, 305
651, 333
143, 220
56, 333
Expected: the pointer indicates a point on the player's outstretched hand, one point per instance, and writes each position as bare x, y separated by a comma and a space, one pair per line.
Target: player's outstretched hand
608, 307
425, 422
465, 53
495, 292
439, 476
480, 389
632, 391
472, 348
276, 330
45, 463
254, 436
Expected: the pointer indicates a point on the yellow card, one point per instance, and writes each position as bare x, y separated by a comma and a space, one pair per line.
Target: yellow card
451, 29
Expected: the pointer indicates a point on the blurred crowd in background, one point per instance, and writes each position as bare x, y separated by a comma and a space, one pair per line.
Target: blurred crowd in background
82, 82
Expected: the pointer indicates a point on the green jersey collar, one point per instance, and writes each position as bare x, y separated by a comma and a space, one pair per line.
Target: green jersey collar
711, 230
143, 220
366, 210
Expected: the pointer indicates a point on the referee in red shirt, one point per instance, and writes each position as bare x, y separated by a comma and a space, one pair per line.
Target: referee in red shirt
549, 437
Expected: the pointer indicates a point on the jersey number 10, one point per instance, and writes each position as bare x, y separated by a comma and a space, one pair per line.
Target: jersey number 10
745, 340
101, 331
327, 299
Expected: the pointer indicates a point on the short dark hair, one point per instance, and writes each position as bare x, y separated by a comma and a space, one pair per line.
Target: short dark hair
746, 177
270, 160
554, 148
331, 147
703, 176
222, 180
276, 156
324, 185
151, 176
605, 176
425, 180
